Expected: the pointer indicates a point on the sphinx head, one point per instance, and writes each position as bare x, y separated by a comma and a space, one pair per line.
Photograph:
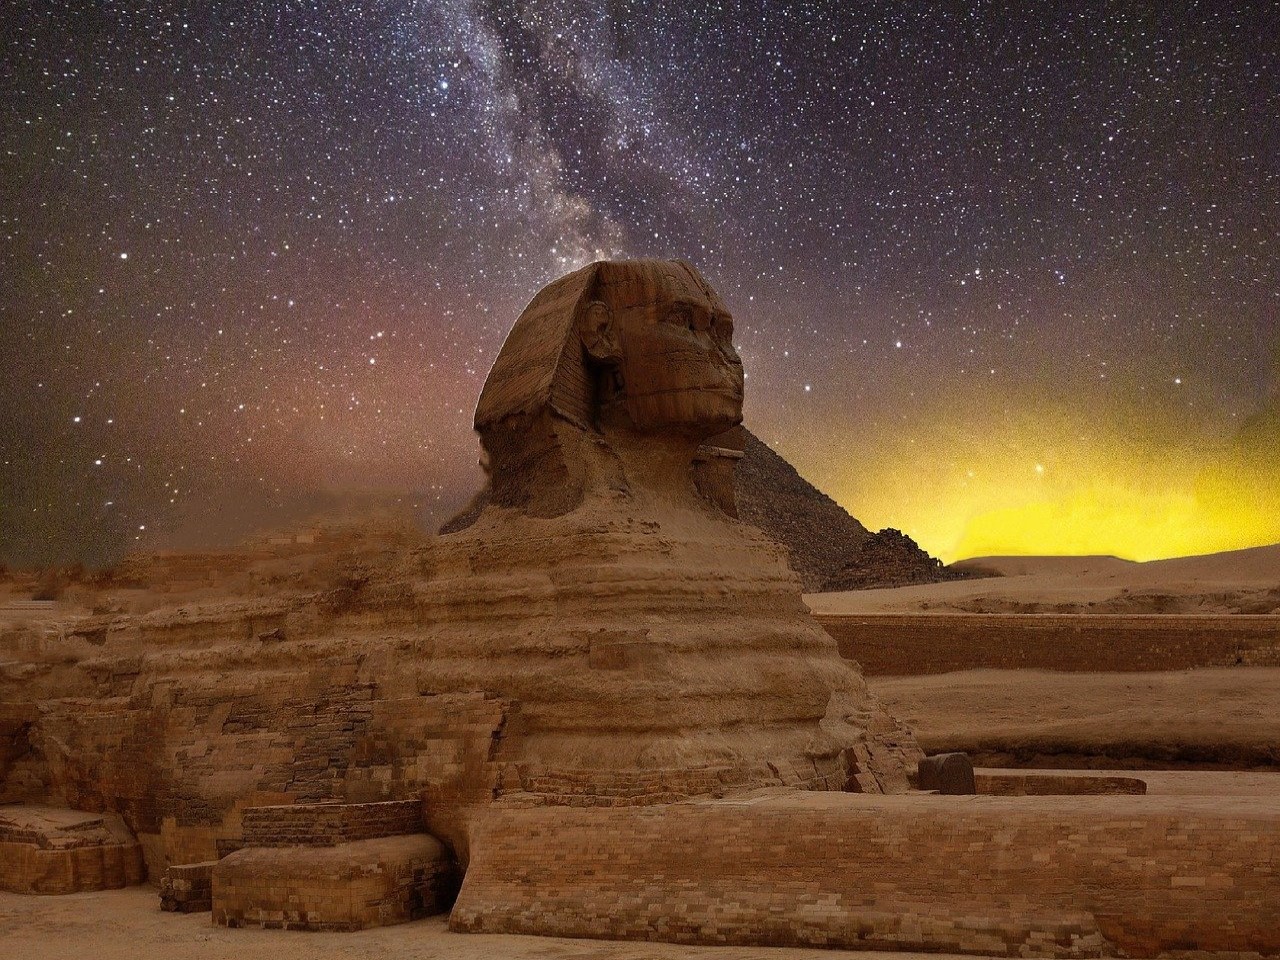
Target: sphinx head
661, 344
615, 355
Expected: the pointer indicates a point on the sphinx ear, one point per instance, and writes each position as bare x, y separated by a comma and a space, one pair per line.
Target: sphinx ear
598, 333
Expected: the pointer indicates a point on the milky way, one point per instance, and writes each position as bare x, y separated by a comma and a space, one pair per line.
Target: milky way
991, 272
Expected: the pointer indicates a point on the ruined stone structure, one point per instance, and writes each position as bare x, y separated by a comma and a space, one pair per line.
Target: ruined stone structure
333, 866
52, 850
1046, 876
604, 633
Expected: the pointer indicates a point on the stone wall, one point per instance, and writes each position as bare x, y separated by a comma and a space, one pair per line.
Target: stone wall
1032, 783
25, 868
183, 763
890, 644
328, 824
51, 850
351, 886
1030, 876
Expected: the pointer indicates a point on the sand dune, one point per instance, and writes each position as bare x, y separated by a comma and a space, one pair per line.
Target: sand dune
125, 924
1239, 581
1235, 566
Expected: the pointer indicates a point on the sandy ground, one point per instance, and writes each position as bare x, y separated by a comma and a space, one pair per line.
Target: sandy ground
1242, 581
1229, 714
128, 924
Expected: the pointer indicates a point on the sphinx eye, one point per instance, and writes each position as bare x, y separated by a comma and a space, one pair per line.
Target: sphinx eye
680, 316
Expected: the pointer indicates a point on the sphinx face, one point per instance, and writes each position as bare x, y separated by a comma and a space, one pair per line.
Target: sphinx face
679, 368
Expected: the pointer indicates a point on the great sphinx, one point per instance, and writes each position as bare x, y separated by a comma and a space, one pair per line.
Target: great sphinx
600, 629
660, 640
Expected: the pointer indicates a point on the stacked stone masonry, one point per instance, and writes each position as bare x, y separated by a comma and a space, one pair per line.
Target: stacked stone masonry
1031, 877
187, 888
48, 850
888, 644
329, 824
351, 886
1031, 783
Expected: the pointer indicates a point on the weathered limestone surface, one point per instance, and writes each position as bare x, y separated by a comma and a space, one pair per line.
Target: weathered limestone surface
349, 886
50, 850
187, 888
1059, 783
1026, 876
604, 633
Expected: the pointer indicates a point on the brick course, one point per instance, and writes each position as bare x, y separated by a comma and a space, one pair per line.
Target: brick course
1033, 876
911, 644
25, 868
328, 824
351, 886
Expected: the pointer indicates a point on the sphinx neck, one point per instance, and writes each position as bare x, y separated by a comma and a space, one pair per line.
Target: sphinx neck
657, 466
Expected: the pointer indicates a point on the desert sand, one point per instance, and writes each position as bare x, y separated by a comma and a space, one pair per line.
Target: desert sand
1212, 716
1239, 581
124, 924
1209, 717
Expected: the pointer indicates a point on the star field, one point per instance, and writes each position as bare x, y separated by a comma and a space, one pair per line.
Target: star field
258, 257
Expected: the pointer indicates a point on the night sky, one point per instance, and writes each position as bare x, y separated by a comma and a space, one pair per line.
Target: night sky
1006, 281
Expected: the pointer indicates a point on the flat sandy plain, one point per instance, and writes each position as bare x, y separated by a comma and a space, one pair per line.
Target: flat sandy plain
127, 924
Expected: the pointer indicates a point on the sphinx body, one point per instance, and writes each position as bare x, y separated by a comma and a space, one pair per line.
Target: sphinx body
600, 631
660, 639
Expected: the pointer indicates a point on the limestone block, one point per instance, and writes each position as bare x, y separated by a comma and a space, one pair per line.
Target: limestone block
187, 887
349, 886
54, 851
948, 773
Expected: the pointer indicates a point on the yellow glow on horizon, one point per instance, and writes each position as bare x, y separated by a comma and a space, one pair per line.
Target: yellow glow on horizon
1055, 488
